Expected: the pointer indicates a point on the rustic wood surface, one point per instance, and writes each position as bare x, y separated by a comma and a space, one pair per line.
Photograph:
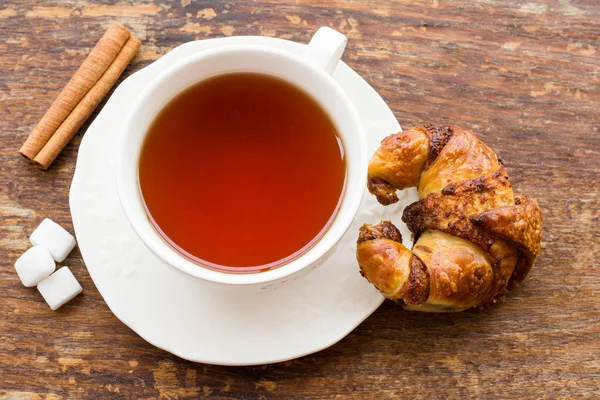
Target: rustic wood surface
525, 75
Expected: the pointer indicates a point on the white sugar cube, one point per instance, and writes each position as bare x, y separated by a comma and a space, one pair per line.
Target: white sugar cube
35, 265
59, 288
55, 238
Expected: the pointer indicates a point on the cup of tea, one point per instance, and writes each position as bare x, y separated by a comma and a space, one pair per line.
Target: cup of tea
244, 164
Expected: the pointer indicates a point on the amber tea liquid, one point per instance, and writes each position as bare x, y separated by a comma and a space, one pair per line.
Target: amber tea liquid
242, 172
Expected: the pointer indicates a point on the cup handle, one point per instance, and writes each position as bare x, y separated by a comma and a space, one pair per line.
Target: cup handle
325, 49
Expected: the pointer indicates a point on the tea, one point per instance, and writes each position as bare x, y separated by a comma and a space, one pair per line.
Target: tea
242, 172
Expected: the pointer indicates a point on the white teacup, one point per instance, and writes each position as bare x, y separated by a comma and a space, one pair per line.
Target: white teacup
310, 72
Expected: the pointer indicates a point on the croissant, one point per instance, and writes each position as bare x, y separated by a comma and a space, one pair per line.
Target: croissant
473, 237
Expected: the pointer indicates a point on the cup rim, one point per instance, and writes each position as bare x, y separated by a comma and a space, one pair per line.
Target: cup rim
132, 203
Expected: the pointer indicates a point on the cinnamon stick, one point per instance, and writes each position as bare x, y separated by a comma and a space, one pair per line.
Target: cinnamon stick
92, 69
87, 105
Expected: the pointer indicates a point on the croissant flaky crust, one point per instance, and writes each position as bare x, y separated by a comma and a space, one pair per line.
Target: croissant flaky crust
474, 238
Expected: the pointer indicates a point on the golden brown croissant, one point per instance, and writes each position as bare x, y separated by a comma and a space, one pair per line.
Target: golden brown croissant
474, 236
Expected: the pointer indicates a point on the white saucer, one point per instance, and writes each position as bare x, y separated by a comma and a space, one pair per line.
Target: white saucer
201, 321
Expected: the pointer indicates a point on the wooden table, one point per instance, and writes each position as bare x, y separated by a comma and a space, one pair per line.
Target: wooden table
525, 75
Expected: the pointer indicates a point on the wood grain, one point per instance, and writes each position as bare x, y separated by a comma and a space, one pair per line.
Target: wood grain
525, 75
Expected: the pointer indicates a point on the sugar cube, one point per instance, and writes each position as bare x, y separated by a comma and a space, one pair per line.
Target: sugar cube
59, 288
55, 238
35, 265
